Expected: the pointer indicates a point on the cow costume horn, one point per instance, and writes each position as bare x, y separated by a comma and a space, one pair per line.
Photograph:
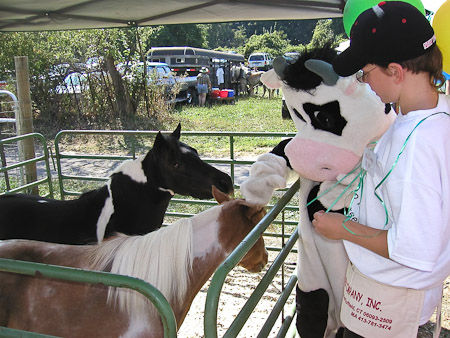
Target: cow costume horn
279, 64
324, 70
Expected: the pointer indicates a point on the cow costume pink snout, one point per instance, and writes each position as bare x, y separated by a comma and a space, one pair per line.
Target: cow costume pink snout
319, 161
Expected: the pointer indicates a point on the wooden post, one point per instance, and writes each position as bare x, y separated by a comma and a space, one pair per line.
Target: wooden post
24, 120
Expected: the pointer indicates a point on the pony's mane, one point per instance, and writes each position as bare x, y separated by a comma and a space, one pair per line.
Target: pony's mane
162, 258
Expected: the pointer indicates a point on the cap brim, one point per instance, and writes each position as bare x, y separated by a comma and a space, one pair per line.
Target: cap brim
348, 62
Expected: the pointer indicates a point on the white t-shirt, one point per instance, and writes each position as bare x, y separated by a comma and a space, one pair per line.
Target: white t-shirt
219, 74
417, 196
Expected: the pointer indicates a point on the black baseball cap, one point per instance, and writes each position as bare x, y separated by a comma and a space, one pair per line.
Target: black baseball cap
392, 31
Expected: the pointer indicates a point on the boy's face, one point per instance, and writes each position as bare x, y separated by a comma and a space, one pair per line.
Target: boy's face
381, 81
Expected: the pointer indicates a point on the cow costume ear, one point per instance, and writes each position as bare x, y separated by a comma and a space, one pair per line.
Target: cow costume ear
279, 64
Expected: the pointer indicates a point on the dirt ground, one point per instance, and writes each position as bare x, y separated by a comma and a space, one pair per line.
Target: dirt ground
240, 284
426, 331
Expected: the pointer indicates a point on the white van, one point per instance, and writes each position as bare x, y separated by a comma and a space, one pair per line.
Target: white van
260, 61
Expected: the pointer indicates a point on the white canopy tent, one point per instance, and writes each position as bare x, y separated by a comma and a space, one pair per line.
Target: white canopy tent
38, 15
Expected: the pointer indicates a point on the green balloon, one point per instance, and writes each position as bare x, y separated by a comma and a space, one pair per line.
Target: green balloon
353, 8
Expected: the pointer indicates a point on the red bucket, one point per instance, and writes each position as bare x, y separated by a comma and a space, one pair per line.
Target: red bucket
224, 93
215, 93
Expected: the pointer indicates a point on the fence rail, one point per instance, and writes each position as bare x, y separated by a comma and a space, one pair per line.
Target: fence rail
214, 290
20, 185
98, 277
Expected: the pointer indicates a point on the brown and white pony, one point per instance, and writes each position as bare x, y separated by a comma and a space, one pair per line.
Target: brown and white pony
254, 82
177, 259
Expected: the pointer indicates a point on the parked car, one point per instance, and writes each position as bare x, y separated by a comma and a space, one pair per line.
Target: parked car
291, 56
78, 82
74, 83
260, 60
155, 70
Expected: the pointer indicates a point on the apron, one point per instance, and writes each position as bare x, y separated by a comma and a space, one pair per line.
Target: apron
373, 309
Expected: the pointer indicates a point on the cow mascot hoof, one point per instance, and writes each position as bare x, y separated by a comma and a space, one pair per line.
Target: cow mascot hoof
336, 119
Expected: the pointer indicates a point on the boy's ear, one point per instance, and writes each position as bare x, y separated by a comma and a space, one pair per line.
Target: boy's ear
397, 71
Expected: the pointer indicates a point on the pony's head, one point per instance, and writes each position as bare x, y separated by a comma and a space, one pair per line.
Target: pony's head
178, 168
241, 217
336, 117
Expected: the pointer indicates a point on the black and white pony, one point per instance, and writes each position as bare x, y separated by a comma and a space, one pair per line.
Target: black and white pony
133, 201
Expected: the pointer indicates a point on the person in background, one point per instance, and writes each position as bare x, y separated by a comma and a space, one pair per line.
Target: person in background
220, 78
397, 232
203, 85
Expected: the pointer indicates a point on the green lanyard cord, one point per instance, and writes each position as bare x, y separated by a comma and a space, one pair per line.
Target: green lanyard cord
334, 185
361, 184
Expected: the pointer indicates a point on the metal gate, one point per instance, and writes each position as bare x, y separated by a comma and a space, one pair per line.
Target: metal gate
232, 163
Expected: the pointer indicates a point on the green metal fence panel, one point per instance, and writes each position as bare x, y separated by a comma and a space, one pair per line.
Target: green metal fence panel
230, 160
277, 309
253, 300
288, 328
5, 168
218, 279
96, 277
13, 333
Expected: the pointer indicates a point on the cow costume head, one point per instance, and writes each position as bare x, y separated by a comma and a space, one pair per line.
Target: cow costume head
336, 119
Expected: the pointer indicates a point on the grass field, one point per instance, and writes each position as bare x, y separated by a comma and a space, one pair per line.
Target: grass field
248, 114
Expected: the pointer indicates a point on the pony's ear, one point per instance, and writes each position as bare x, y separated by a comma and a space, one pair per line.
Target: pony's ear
166, 149
159, 141
254, 212
176, 133
219, 196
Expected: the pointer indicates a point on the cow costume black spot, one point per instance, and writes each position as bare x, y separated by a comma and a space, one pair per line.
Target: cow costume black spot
336, 119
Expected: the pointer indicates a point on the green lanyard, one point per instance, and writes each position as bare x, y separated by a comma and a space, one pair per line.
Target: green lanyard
334, 185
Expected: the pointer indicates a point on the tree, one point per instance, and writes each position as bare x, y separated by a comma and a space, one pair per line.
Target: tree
178, 35
271, 42
324, 32
218, 35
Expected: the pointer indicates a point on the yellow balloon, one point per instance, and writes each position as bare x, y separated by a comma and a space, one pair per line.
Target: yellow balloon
441, 26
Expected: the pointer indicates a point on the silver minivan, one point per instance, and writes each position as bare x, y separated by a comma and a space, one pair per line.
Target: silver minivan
260, 61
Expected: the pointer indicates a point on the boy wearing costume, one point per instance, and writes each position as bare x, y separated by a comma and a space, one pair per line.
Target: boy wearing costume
336, 119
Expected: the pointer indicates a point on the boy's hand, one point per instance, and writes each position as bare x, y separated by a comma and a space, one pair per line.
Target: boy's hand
329, 224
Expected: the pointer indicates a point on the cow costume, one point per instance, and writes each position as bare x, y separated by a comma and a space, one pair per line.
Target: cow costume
336, 119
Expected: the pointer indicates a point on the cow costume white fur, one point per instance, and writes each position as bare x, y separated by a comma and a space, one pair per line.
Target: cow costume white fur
336, 119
